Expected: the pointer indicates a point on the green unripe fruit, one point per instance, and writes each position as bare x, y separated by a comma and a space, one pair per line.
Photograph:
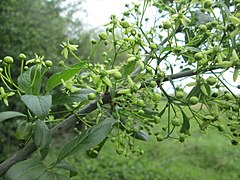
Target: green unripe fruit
104, 54
91, 96
211, 80
207, 4
117, 75
198, 56
48, 63
202, 28
126, 13
103, 73
125, 24
167, 25
220, 128
119, 151
93, 41
157, 119
141, 112
113, 139
194, 100
141, 103
153, 84
214, 23
156, 97
134, 89
228, 96
181, 139
1, 70
148, 69
153, 46
231, 27
22, 56
179, 94
159, 138
61, 63
176, 121
8, 60
103, 36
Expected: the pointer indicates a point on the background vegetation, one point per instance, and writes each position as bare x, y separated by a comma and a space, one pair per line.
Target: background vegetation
205, 155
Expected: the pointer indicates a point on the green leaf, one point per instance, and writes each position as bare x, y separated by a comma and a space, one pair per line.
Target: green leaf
65, 53
194, 92
107, 81
67, 166
25, 81
141, 135
78, 96
52, 176
208, 89
128, 68
93, 153
203, 89
9, 114
24, 130
167, 48
28, 169
44, 152
150, 111
55, 79
163, 110
38, 105
226, 9
194, 49
42, 136
88, 139
235, 74
186, 125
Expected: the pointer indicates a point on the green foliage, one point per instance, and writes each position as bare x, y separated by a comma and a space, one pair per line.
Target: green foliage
34, 169
39, 105
205, 156
42, 136
34, 27
56, 79
9, 114
129, 106
88, 139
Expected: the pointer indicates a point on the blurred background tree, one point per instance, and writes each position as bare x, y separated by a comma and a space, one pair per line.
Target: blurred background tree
34, 26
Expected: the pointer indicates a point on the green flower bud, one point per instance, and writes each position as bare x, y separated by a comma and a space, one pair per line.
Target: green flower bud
103, 35
8, 60
22, 56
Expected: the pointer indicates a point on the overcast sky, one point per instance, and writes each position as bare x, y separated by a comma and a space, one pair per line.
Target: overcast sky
99, 11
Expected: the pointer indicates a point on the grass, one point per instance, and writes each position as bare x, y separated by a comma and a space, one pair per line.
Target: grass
203, 156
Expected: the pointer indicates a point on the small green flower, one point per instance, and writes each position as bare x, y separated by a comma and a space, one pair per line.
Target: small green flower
36, 60
68, 47
69, 86
4, 96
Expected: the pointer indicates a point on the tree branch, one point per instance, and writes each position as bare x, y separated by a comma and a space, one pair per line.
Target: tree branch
68, 123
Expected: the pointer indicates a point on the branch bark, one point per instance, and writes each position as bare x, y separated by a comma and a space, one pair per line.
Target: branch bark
69, 123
